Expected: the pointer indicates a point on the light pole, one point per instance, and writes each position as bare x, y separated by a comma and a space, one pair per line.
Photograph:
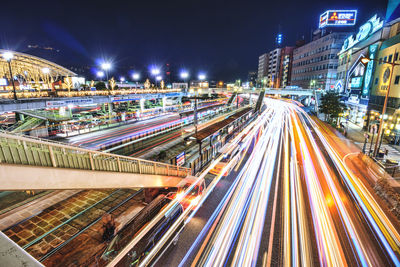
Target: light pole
155, 72
158, 78
106, 66
100, 74
184, 77
389, 73
136, 77
202, 77
8, 56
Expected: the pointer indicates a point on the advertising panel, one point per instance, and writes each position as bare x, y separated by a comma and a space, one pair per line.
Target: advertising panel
338, 18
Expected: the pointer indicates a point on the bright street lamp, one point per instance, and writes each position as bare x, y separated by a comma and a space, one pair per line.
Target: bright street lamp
122, 79
184, 75
202, 77
106, 66
155, 71
100, 74
46, 70
158, 78
8, 56
136, 76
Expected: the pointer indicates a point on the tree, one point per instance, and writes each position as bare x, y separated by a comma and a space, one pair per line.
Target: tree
331, 105
100, 86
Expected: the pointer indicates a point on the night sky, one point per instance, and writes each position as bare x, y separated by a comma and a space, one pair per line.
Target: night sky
222, 38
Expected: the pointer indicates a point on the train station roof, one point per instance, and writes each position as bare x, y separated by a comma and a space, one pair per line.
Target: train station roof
210, 130
30, 68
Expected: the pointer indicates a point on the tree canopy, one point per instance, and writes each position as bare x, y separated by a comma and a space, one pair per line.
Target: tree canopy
100, 86
331, 105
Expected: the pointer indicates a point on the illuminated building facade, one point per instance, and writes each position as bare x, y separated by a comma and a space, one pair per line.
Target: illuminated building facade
389, 51
262, 68
354, 80
274, 67
315, 63
32, 74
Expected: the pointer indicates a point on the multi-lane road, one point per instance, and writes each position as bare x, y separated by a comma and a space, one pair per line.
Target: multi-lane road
296, 199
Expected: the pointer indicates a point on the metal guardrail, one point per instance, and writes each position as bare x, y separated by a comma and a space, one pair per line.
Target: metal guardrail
17, 149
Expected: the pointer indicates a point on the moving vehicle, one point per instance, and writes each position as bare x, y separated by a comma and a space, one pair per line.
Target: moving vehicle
192, 196
228, 157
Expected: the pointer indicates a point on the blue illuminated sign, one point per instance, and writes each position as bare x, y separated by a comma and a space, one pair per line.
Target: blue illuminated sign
338, 18
356, 82
279, 39
370, 69
373, 25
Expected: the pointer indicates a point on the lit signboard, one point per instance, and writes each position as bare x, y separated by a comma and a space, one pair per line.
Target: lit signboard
180, 159
356, 82
370, 69
338, 18
3, 82
366, 30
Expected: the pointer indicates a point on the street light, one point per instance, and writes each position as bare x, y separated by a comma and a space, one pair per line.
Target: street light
8, 56
155, 72
201, 77
100, 74
106, 66
136, 77
122, 79
365, 60
185, 76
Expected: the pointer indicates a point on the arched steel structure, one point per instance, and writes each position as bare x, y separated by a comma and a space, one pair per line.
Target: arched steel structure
32, 70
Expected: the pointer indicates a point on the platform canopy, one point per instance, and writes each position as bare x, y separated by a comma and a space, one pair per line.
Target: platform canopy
31, 69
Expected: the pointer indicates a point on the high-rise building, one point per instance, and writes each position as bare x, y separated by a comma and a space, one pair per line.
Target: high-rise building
262, 68
274, 67
252, 78
315, 63
285, 68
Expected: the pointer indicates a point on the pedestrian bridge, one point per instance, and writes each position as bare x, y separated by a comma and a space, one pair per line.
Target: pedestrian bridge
33, 163
270, 91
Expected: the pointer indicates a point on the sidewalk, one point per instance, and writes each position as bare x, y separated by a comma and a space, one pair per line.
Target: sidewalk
356, 134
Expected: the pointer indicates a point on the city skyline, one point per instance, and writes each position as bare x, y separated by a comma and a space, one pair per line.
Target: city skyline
223, 40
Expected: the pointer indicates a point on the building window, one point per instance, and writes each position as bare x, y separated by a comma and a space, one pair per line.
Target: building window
385, 59
397, 79
390, 58
376, 81
396, 57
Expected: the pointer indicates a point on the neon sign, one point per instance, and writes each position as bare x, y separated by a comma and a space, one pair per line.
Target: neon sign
373, 25
338, 18
370, 68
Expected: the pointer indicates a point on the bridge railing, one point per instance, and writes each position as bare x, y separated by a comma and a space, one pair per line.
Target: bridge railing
17, 149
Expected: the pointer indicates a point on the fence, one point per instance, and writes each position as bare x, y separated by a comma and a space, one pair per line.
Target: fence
17, 149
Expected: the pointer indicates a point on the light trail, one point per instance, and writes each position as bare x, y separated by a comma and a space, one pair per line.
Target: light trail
311, 189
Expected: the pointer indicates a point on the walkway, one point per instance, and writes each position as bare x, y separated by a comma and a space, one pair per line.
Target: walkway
28, 163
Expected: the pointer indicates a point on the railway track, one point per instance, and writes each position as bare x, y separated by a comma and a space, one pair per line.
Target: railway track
47, 232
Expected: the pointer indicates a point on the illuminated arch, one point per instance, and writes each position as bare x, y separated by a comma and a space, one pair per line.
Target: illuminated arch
30, 69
